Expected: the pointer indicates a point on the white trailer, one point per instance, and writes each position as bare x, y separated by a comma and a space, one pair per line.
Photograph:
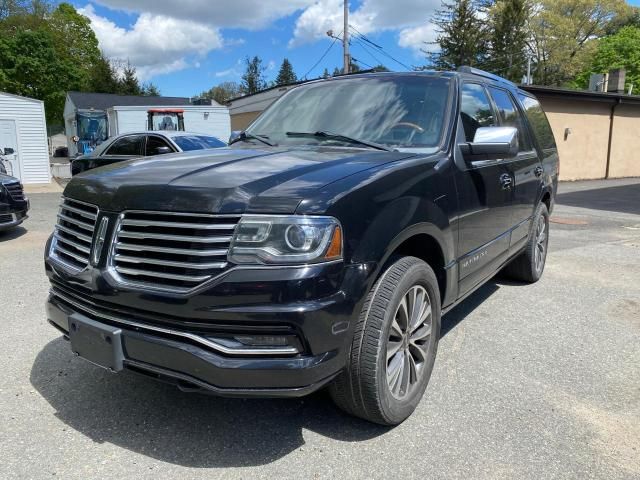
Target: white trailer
207, 119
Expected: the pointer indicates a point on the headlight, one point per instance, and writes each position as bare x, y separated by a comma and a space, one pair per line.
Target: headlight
286, 240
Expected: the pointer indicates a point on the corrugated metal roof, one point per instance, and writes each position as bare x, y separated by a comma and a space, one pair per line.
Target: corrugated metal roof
102, 101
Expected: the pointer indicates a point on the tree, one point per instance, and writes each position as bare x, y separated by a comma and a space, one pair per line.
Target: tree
286, 75
507, 55
336, 72
31, 67
103, 77
149, 89
129, 84
223, 92
74, 39
325, 73
462, 36
621, 50
253, 79
563, 35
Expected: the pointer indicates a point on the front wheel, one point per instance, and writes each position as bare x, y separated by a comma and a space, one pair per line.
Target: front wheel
394, 345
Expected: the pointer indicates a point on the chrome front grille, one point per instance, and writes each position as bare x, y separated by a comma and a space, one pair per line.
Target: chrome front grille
15, 190
171, 251
74, 233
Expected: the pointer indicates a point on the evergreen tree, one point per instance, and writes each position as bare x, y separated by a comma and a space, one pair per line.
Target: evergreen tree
103, 77
253, 78
462, 36
150, 90
286, 75
507, 21
336, 71
129, 84
325, 73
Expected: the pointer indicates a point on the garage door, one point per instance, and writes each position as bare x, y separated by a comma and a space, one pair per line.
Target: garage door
8, 139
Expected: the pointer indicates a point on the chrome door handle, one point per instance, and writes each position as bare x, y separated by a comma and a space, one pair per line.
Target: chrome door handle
538, 171
506, 181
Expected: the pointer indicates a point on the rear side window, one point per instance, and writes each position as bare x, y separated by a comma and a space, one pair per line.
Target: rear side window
475, 109
510, 116
130, 145
538, 121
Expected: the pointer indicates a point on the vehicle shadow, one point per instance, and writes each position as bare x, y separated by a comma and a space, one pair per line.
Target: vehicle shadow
12, 234
192, 430
622, 198
196, 430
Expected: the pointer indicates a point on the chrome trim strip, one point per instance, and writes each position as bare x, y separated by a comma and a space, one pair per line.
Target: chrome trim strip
75, 245
197, 226
178, 238
196, 338
71, 254
180, 251
79, 235
80, 212
151, 273
169, 263
75, 221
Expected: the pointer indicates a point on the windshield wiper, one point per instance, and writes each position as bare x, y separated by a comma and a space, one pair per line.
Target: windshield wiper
244, 136
338, 136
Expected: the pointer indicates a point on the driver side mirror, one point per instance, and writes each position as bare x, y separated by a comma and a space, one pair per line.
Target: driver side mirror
162, 150
235, 136
9, 151
491, 143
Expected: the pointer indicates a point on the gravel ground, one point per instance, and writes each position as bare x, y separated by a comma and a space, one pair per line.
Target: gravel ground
531, 382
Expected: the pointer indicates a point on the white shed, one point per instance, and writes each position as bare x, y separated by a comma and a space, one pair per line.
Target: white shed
24, 129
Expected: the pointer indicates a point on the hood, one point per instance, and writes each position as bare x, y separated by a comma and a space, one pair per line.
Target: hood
224, 180
7, 178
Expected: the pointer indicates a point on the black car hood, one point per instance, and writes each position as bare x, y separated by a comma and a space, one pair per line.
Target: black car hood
7, 178
224, 180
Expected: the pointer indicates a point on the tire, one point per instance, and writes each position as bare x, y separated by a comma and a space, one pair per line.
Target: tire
529, 265
363, 389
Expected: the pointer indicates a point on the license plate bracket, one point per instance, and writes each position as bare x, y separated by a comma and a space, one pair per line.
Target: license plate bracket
96, 342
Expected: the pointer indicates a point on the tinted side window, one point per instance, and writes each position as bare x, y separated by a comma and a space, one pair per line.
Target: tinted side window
475, 109
130, 145
539, 122
510, 116
154, 143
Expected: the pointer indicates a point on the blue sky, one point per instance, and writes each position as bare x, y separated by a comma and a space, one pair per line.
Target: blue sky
188, 46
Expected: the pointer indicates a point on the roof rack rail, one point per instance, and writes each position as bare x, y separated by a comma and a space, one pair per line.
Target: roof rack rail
482, 73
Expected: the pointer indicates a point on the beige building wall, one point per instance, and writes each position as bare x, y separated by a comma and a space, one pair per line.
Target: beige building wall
625, 144
240, 121
583, 153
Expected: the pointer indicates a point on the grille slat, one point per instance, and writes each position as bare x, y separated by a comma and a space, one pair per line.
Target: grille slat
73, 233
168, 251
15, 190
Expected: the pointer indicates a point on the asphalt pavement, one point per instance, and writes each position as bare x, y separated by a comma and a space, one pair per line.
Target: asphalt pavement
531, 381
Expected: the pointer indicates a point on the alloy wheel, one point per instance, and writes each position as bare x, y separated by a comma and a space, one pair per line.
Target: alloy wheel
540, 251
408, 343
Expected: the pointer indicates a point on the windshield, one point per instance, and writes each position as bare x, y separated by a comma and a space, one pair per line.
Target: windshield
197, 142
407, 111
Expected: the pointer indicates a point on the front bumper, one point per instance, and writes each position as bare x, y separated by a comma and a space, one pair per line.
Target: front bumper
10, 218
182, 353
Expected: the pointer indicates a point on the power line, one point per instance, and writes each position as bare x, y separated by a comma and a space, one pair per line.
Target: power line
361, 62
322, 57
380, 49
363, 45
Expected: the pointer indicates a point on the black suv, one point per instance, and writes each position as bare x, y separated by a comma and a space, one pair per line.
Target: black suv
14, 205
320, 249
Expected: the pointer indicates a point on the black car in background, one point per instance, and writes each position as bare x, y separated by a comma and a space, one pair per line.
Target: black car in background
320, 249
14, 205
143, 144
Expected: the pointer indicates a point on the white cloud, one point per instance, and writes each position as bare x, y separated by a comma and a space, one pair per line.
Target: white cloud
154, 44
251, 14
418, 38
409, 16
230, 72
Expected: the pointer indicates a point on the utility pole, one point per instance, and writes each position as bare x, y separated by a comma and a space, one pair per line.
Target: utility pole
345, 38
